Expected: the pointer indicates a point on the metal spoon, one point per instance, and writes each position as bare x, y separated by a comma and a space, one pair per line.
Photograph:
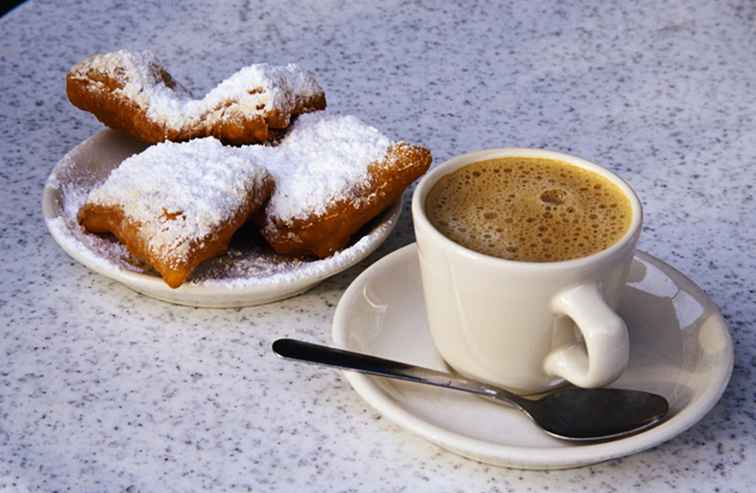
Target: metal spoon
573, 414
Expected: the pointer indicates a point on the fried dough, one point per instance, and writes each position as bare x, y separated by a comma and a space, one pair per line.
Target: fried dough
133, 92
325, 233
333, 175
177, 205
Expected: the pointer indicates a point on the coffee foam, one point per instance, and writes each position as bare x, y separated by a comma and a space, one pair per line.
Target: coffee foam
529, 209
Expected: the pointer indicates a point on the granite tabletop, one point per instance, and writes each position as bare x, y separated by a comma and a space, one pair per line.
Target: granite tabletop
102, 389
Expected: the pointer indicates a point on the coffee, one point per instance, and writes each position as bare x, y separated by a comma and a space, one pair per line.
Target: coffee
529, 209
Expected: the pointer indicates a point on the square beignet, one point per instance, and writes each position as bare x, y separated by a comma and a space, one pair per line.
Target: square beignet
177, 205
333, 175
132, 91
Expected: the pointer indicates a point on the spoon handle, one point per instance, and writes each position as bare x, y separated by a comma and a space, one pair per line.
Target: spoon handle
364, 363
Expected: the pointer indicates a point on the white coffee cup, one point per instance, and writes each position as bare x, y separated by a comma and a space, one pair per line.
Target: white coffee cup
526, 326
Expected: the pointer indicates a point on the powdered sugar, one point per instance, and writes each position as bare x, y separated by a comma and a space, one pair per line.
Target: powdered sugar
180, 193
249, 266
323, 158
256, 89
109, 252
280, 87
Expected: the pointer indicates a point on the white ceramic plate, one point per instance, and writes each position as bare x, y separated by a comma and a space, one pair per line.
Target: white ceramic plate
247, 275
680, 348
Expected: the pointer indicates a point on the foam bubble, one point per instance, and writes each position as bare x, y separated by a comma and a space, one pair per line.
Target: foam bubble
554, 196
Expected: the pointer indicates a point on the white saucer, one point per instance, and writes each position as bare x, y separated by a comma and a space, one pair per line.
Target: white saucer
680, 348
220, 282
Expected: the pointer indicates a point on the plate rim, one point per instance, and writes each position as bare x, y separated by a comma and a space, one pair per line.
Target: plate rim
531, 457
264, 291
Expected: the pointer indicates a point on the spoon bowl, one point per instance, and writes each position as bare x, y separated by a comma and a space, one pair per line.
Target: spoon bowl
595, 414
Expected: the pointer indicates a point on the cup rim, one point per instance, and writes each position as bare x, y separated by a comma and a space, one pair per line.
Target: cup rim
456, 162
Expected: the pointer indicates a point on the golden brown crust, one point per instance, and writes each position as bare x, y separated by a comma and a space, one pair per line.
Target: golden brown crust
98, 93
174, 271
324, 234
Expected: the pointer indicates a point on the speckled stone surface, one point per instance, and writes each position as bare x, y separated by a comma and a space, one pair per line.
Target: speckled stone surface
102, 389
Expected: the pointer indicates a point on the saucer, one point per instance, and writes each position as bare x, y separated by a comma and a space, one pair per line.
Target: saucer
247, 275
680, 348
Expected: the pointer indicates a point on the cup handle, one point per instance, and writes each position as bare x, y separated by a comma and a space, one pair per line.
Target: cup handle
605, 335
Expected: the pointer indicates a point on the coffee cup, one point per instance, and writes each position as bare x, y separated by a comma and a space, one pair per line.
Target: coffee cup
526, 325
